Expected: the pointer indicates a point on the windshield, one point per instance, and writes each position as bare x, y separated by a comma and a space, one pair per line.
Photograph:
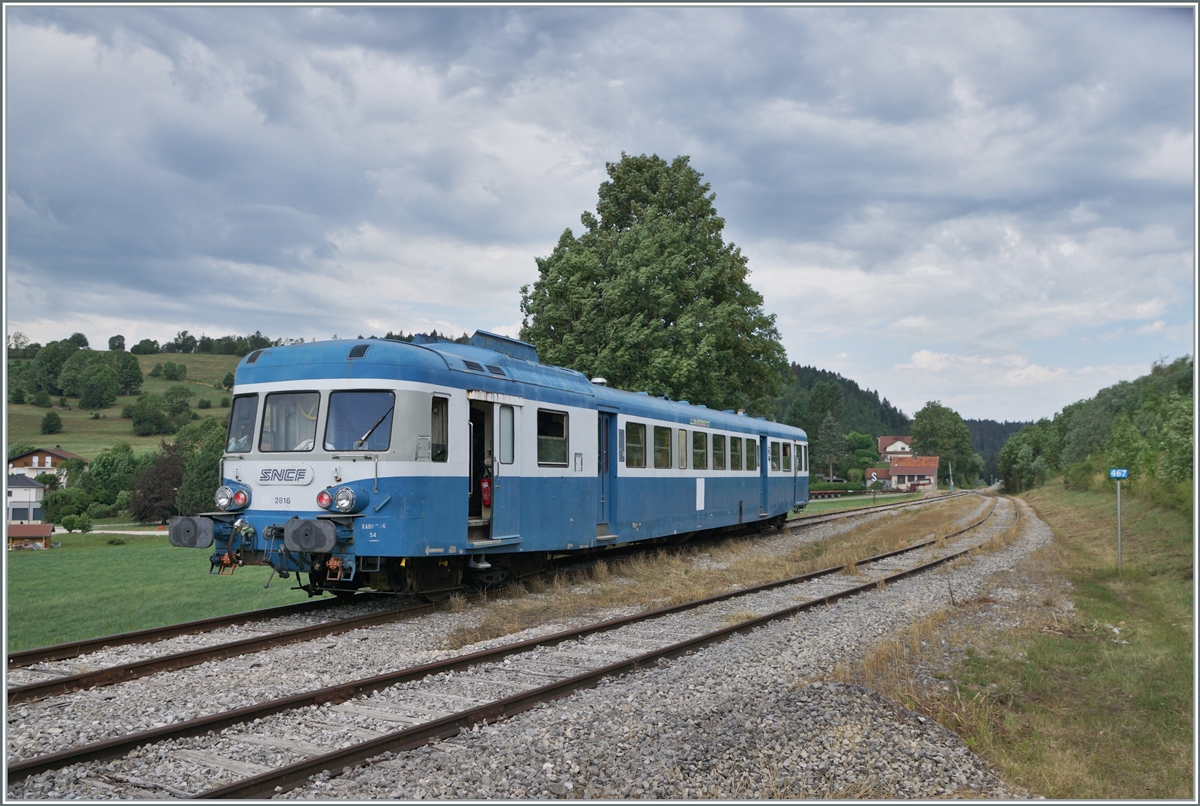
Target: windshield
353, 415
289, 421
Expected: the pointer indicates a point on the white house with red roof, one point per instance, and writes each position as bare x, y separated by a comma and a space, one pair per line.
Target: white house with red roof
914, 473
890, 447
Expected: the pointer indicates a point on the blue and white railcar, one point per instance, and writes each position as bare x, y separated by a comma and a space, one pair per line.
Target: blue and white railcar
410, 467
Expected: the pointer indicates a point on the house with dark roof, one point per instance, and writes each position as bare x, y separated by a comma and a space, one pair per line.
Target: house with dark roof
41, 460
914, 473
23, 500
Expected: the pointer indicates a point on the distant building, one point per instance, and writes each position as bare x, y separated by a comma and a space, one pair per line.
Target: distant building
42, 460
912, 473
23, 500
30, 536
893, 446
883, 475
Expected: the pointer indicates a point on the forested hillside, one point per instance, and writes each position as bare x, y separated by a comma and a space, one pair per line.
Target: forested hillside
1144, 425
812, 393
987, 438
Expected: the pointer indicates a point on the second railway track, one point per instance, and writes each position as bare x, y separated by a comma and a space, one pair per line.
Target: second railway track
376, 717
41, 680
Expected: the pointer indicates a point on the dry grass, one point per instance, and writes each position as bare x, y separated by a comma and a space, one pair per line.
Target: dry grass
1057, 702
662, 578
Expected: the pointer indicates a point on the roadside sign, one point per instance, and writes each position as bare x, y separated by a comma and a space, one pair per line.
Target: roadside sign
1118, 473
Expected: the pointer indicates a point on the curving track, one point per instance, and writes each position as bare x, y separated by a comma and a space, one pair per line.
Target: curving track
440, 699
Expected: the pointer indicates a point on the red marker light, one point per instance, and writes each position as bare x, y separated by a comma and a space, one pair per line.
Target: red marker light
324, 499
240, 498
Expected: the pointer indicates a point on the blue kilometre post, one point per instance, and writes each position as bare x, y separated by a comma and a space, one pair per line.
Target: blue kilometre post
1118, 473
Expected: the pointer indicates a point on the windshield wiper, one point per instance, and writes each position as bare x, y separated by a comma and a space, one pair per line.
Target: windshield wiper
371, 430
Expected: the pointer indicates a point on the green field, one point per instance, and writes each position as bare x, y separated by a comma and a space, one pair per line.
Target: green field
90, 587
88, 437
827, 505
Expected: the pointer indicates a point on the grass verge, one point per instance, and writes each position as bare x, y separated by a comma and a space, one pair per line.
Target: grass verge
1088, 698
91, 587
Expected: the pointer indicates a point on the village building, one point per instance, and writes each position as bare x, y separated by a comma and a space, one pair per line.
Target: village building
890, 447
23, 500
881, 475
912, 473
29, 536
42, 460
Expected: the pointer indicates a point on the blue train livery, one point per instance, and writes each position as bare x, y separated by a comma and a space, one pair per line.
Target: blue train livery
413, 467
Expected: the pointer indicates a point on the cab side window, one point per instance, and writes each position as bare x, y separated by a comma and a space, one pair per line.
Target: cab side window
440, 426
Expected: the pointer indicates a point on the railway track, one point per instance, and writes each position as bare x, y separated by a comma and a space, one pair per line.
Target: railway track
440, 699
62, 681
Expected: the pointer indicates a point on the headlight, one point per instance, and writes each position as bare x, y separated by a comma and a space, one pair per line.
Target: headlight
223, 497
324, 499
343, 499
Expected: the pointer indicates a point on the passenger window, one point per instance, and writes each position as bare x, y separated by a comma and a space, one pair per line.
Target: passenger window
718, 451
552, 437
805, 449
635, 445
787, 456
751, 454
735, 453
682, 449
359, 421
662, 447
774, 455
241, 425
290, 422
439, 442
699, 450
506, 435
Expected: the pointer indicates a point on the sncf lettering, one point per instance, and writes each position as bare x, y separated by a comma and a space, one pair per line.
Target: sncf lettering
270, 474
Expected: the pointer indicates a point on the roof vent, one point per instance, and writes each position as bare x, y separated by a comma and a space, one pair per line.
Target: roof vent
254, 356
473, 365
358, 351
599, 381
495, 370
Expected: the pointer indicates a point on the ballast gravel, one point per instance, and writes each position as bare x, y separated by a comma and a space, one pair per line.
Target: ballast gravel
754, 716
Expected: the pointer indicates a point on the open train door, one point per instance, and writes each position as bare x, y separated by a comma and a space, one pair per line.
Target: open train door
506, 475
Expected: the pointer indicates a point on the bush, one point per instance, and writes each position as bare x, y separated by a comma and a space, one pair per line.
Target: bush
96, 510
16, 395
69, 522
228, 382
204, 403
41, 399
127, 411
83, 523
157, 371
224, 402
95, 416
52, 423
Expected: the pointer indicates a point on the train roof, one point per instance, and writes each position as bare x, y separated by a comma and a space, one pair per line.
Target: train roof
488, 363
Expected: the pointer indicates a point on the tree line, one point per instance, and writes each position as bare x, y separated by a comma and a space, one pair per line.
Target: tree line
1144, 425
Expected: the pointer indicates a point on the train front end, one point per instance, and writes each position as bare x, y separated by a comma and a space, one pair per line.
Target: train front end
327, 473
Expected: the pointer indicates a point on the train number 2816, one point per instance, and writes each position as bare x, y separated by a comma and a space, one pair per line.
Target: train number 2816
282, 499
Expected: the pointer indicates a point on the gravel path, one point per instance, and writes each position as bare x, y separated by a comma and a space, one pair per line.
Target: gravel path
747, 718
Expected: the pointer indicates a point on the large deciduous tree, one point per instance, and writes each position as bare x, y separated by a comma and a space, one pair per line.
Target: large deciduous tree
940, 431
651, 297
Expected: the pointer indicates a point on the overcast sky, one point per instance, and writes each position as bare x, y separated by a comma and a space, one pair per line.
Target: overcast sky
990, 207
